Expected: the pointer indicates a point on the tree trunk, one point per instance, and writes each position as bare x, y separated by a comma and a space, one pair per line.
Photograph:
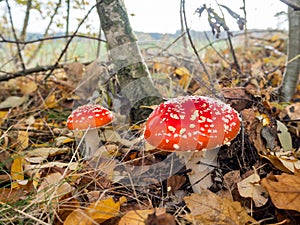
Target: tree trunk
26, 20
293, 67
136, 85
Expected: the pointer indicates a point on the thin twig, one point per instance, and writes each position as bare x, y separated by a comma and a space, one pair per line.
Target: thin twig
49, 39
212, 88
69, 42
39, 69
218, 53
15, 36
34, 54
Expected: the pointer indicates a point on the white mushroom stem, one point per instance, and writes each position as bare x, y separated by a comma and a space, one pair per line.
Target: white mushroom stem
201, 164
92, 141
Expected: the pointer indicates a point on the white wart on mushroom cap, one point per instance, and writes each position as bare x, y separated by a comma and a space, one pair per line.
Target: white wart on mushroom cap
191, 123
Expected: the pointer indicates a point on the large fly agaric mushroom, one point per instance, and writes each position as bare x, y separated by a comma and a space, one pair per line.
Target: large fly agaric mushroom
89, 118
193, 124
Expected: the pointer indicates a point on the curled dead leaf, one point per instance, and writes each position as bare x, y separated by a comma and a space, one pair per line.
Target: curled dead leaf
251, 188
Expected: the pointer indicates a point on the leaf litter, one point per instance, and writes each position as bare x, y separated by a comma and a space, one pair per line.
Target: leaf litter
42, 168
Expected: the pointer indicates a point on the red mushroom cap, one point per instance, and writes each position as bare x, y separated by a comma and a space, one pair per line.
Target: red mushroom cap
191, 123
89, 117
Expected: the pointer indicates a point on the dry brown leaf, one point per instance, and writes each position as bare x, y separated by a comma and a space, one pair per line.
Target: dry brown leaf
209, 209
139, 217
38, 155
251, 188
175, 182
98, 212
52, 189
284, 190
283, 160
66, 206
12, 101
10, 195
27, 87
162, 219
112, 136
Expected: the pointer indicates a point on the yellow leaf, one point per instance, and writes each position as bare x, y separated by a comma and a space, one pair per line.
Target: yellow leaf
139, 217
28, 87
78, 217
16, 172
98, 212
210, 209
181, 71
3, 115
51, 101
103, 210
23, 140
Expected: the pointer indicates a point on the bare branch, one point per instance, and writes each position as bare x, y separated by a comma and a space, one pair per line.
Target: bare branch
15, 36
291, 4
49, 39
69, 41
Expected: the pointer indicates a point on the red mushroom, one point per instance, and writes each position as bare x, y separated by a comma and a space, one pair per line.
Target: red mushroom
89, 118
192, 123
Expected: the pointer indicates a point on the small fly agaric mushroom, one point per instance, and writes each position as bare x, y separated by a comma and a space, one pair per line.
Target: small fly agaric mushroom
89, 118
192, 124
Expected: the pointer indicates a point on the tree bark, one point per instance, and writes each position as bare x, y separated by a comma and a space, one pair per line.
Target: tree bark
26, 20
291, 75
136, 85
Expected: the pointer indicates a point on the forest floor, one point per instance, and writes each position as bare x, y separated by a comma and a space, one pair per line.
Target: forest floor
45, 180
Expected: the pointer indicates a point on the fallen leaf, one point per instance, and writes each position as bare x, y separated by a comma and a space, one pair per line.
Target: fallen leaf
209, 209
38, 155
3, 115
17, 173
23, 140
284, 136
12, 101
175, 182
284, 190
161, 219
66, 206
251, 188
30, 170
283, 160
59, 141
10, 195
97, 212
50, 101
109, 135
28, 87
139, 217
52, 189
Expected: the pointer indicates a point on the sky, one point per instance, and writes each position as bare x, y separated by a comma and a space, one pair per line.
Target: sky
162, 16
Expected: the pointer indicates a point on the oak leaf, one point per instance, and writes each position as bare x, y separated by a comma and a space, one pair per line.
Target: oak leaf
209, 209
284, 190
